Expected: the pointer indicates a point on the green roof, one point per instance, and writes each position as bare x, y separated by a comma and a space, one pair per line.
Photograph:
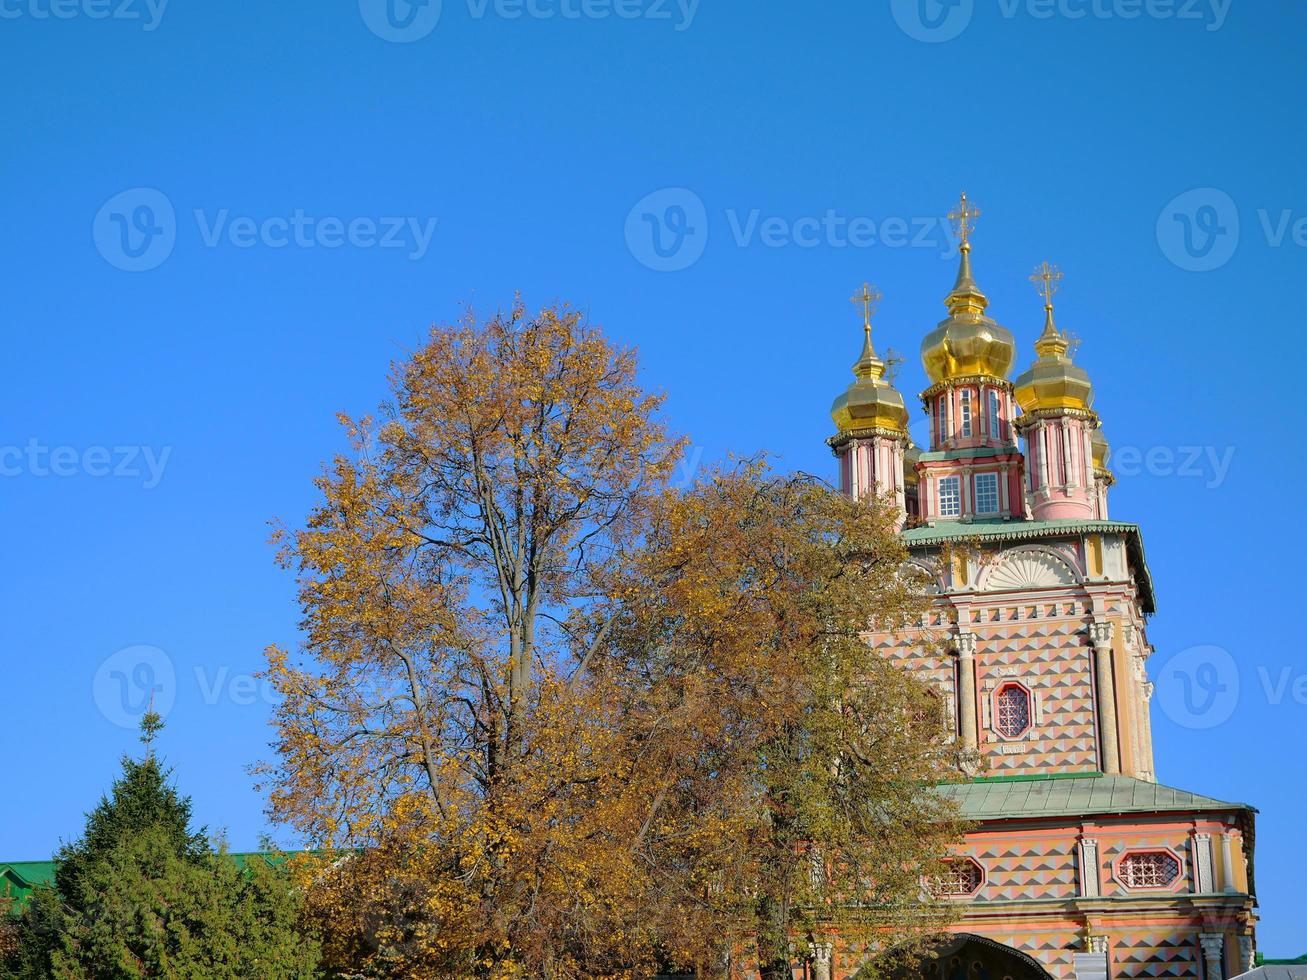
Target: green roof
1073, 795
1001, 531
19, 878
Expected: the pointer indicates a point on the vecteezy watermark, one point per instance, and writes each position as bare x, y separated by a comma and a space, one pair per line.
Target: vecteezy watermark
133, 681
1208, 463
401, 21
667, 231
148, 13
1199, 230
406, 21
36, 459
1198, 688
935, 21
136, 230
142, 678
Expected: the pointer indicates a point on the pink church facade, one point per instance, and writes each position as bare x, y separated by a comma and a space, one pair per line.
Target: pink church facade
1081, 865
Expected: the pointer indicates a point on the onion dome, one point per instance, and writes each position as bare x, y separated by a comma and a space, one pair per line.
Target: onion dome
871, 402
1053, 381
968, 343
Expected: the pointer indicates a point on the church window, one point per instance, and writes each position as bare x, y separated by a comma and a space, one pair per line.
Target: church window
986, 493
966, 411
950, 496
1012, 711
960, 878
994, 429
1149, 869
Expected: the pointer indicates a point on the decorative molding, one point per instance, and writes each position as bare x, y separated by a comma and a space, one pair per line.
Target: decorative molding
1097, 944
1026, 569
1213, 944
1089, 869
1202, 847
1101, 634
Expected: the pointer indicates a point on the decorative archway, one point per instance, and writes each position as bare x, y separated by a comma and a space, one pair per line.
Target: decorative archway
964, 956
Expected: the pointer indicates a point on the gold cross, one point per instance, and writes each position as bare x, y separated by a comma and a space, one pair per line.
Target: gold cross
892, 363
965, 219
1047, 279
870, 298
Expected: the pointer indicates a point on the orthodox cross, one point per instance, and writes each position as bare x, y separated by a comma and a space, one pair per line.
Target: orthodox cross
870, 298
965, 219
1047, 279
892, 364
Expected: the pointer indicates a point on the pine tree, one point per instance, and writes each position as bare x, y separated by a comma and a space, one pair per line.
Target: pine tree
142, 895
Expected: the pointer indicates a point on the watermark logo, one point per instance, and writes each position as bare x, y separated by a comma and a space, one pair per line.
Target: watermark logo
36, 459
1199, 230
932, 21
401, 21
149, 13
1198, 688
136, 230
667, 231
132, 681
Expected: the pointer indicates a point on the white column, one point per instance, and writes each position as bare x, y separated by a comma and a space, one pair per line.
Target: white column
1202, 848
967, 689
1213, 945
1227, 862
1101, 634
1092, 965
1247, 953
1089, 869
823, 956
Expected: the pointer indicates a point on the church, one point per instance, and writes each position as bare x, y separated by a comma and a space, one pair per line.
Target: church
1080, 865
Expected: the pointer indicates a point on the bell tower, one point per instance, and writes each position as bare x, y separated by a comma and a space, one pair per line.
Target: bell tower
973, 470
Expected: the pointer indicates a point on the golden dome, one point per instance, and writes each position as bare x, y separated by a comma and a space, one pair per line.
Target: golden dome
870, 402
1053, 381
968, 343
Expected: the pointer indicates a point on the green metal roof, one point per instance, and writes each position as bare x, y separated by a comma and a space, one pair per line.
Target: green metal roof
1000, 531
19, 878
1073, 795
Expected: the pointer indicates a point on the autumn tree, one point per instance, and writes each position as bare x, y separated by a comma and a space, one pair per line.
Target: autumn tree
798, 764
442, 725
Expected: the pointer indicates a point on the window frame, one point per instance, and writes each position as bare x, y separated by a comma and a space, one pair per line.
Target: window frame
1175, 884
995, 414
981, 879
955, 481
994, 713
966, 428
975, 493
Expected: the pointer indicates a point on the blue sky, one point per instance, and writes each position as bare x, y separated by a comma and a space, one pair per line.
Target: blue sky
303, 187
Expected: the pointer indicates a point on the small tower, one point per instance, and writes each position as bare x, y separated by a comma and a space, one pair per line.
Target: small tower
1103, 476
1058, 423
871, 423
973, 470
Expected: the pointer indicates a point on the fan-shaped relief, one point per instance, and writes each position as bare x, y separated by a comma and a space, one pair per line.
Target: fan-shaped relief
1025, 569
920, 572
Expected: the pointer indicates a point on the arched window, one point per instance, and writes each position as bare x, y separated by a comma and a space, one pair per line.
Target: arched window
1149, 869
1012, 711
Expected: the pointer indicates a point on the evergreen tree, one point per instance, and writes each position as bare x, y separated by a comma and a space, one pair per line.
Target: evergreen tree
142, 895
